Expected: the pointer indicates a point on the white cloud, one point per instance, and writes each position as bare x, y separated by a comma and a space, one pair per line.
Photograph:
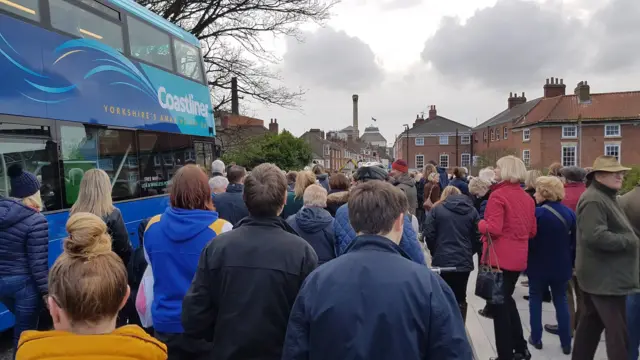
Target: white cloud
464, 56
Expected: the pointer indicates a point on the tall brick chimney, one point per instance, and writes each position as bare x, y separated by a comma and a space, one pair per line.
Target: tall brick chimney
515, 100
356, 132
235, 105
554, 87
583, 91
433, 113
273, 126
419, 120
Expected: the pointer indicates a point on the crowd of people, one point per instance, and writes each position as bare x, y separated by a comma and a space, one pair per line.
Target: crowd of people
267, 264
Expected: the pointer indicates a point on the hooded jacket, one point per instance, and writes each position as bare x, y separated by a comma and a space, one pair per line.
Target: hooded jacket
316, 226
408, 185
450, 233
24, 242
323, 180
245, 286
335, 200
461, 184
126, 343
397, 310
572, 193
230, 204
173, 241
345, 235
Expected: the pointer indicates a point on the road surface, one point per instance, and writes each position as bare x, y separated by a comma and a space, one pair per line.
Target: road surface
5, 345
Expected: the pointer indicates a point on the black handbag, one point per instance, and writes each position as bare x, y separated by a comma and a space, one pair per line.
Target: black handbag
490, 280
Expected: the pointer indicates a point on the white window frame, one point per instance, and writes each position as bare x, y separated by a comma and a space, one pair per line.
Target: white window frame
526, 159
526, 135
440, 142
440, 160
419, 141
484, 136
506, 133
466, 163
465, 139
619, 132
416, 161
493, 135
568, 127
575, 154
616, 144
327, 149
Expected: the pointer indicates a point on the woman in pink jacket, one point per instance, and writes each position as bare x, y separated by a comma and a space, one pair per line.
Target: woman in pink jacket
510, 221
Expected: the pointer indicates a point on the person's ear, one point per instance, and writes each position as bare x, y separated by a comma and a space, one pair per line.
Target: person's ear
126, 297
54, 310
398, 224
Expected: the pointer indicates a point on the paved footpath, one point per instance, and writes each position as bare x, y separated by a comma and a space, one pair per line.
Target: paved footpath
480, 329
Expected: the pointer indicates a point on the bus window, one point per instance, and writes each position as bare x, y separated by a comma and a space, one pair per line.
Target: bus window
34, 152
188, 60
74, 20
161, 155
114, 151
149, 44
25, 8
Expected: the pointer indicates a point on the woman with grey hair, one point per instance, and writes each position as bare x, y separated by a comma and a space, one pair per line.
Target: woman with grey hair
314, 224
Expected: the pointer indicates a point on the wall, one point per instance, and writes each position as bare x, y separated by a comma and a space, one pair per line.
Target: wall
431, 150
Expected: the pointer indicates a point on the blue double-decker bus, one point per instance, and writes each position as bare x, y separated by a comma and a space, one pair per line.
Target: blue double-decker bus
99, 84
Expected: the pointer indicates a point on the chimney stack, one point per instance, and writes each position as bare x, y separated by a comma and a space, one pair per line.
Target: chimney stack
583, 92
515, 100
235, 105
356, 133
555, 87
273, 126
433, 113
419, 120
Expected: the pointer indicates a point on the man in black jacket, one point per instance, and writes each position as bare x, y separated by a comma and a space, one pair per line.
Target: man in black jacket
248, 278
229, 204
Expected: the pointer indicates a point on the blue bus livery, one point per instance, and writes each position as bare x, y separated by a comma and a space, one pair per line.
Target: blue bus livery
99, 84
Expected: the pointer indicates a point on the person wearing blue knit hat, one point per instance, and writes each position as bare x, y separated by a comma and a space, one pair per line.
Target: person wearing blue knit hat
24, 251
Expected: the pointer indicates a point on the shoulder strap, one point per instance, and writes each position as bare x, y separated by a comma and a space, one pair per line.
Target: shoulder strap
557, 214
217, 225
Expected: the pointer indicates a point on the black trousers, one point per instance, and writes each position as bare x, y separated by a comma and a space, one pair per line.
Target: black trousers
507, 326
601, 312
183, 347
457, 281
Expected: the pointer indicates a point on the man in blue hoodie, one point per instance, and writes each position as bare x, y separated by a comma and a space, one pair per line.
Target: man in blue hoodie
372, 303
345, 234
173, 242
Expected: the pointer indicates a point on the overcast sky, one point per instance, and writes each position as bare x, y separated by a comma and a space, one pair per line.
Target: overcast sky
464, 56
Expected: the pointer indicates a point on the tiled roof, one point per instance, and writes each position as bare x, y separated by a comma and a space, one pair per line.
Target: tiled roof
438, 125
601, 107
348, 128
515, 113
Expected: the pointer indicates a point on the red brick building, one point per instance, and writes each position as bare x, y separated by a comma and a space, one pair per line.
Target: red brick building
434, 138
570, 129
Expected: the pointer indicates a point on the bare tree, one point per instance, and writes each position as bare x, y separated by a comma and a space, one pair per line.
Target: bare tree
230, 31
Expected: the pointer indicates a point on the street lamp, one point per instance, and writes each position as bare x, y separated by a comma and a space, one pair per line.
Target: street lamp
406, 128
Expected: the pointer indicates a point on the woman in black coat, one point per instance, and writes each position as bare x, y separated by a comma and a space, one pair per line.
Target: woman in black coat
450, 233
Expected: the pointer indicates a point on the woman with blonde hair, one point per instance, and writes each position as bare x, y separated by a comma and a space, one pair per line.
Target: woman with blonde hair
450, 234
24, 251
420, 185
530, 181
431, 191
95, 197
87, 289
295, 198
509, 222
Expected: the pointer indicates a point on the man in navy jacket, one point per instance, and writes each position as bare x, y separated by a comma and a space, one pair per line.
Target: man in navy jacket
373, 302
230, 205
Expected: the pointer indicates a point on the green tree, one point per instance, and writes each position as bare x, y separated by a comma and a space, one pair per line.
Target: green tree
284, 150
631, 179
490, 156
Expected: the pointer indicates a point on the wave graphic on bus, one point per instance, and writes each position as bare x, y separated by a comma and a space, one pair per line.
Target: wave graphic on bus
114, 62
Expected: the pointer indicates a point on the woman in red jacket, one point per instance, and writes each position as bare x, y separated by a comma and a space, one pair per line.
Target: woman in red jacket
510, 221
